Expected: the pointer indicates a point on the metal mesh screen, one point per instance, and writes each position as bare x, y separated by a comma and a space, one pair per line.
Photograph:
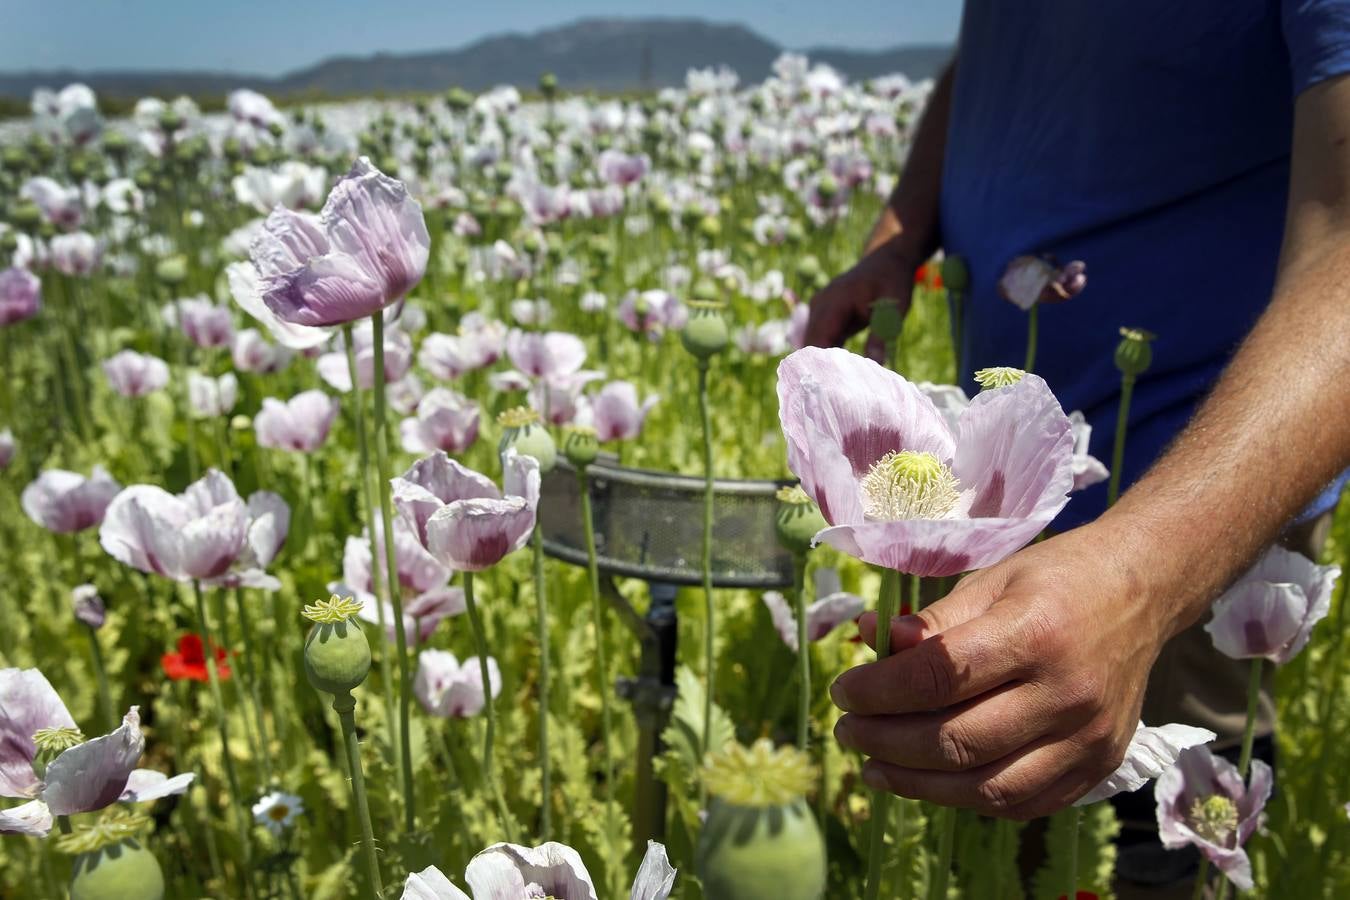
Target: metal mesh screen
650, 525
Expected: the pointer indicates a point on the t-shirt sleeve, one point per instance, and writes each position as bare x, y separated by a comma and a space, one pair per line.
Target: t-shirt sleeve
1317, 33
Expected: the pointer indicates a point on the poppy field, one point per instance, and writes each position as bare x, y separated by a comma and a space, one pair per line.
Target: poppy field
434, 498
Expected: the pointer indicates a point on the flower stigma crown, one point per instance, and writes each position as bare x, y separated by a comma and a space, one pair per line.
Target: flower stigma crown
1214, 818
999, 377
517, 417
909, 485
759, 775
333, 610
116, 826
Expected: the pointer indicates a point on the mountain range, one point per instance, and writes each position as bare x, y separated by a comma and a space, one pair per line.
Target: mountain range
589, 54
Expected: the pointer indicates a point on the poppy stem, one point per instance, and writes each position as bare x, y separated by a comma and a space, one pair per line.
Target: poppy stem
598, 618
1075, 814
1118, 449
710, 611
105, 703
255, 694
541, 616
222, 724
391, 568
344, 705
946, 816
803, 653
376, 573
888, 600
489, 711
1033, 332
1253, 706
1201, 880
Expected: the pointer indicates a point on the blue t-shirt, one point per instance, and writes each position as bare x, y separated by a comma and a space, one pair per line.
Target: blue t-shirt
1151, 140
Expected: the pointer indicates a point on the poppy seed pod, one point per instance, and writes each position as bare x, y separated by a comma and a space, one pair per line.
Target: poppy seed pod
798, 520
887, 321
337, 654
172, 269
580, 445
111, 863
760, 841
955, 275
522, 432
706, 333
1133, 353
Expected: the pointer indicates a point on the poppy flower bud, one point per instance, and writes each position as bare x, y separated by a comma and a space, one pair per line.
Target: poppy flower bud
887, 321
337, 654
710, 227
88, 606
798, 520
458, 99
580, 445
808, 267
111, 863
172, 269
706, 333
760, 841
522, 432
1133, 353
704, 290
548, 85
691, 215
25, 215
955, 275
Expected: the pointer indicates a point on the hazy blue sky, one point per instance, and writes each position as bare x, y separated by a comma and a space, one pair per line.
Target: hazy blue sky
273, 36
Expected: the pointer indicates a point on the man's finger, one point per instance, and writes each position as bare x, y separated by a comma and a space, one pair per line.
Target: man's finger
972, 734
1003, 788
906, 631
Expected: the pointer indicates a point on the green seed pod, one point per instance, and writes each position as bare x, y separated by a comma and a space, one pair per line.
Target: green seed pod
710, 227
808, 267
172, 269
1133, 353
798, 520
337, 654
123, 871
887, 320
760, 841
795, 232
706, 333
580, 445
704, 291
522, 432
955, 275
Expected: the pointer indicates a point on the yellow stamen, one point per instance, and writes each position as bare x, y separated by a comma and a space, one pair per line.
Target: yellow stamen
998, 376
1214, 818
518, 417
909, 485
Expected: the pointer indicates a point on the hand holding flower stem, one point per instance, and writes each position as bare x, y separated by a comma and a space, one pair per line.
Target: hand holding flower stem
888, 600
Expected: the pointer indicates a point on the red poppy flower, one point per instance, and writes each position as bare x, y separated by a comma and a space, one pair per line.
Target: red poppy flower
190, 661
1080, 895
929, 275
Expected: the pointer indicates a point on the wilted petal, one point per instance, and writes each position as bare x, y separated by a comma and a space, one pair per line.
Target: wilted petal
655, 877
502, 871
28, 703
472, 535
431, 483
246, 287
831, 611
520, 477
1152, 751
784, 621
32, 818
140, 529
371, 218
92, 775
145, 785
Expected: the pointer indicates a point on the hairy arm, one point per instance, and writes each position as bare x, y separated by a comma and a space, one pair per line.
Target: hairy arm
903, 237
1018, 692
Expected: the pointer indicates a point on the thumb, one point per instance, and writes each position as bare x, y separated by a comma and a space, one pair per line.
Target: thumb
963, 603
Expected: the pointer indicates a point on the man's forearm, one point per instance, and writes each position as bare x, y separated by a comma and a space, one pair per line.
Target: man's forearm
1274, 432
910, 220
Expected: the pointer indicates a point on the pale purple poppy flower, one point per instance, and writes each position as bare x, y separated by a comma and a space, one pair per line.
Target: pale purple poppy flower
59, 204
513, 872
547, 355
593, 302
766, 339
424, 581
84, 777
300, 424
558, 398
832, 608
76, 254
1203, 802
254, 108
332, 367
449, 689
201, 321
461, 517
292, 184
899, 487
622, 169
88, 606
1029, 280
405, 395
20, 295
652, 313
207, 533
133, 374
466, 226
1270, 612
544, 204
66, 502
448, 356
6, 448
510, 380
616, 412
210, 397
1152, 750
371, 250
246, 288
251, 352
797, 321
531, 312
445, 420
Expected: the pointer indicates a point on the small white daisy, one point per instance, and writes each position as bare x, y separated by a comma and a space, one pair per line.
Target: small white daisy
277, 811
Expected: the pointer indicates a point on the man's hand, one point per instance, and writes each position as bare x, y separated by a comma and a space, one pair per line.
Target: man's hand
844, 306
1019, 691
